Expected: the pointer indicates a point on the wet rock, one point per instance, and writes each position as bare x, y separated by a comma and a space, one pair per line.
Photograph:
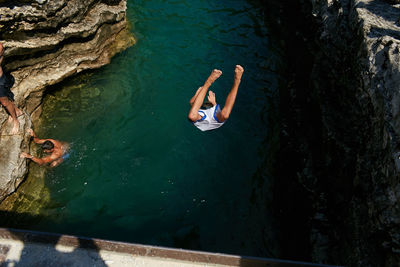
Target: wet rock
45, 42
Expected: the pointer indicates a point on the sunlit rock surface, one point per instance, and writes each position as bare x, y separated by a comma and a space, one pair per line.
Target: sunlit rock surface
45, 42
12, 168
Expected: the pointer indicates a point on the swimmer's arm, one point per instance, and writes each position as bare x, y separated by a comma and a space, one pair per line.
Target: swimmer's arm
40, 161
39, 141
35, 138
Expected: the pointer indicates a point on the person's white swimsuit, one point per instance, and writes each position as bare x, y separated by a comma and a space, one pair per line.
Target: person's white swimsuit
209, 120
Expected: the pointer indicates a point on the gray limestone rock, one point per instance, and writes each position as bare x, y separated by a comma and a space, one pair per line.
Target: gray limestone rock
13, 168
45, 42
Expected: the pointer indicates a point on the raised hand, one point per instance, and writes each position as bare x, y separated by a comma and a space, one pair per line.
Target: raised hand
30, 131
24, 155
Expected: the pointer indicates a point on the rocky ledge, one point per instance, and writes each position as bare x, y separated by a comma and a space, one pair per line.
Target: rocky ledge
45, 42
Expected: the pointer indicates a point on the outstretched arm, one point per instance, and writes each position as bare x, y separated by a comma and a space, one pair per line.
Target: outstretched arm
198, 101
40, 161
35, 139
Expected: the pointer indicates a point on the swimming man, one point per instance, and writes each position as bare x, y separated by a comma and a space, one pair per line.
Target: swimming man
213, 117
7, 97
58, 151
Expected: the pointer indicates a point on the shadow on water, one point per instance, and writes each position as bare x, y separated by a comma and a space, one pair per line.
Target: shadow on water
291, 205
44, 249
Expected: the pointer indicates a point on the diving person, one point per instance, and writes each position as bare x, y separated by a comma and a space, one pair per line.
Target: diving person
213, 117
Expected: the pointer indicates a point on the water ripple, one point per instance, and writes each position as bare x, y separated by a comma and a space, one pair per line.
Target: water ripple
138, 167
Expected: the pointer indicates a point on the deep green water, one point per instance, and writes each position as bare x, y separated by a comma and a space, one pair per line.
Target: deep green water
139, 171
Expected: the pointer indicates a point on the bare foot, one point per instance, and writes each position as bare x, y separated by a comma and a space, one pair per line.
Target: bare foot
15, 128
238, 72
211, 98
214, 75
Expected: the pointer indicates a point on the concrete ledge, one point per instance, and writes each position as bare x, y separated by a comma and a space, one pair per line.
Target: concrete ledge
111, 253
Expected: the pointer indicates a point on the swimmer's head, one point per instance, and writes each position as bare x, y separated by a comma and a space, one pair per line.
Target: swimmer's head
47, 145
206, 105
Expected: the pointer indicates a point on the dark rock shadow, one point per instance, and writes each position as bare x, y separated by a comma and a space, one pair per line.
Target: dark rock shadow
376, 32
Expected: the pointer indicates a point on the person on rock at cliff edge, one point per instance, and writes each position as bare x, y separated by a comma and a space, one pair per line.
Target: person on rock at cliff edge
211, 116
7, 97
58, 150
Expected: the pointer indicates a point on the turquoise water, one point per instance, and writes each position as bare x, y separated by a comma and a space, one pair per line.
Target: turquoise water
139, 171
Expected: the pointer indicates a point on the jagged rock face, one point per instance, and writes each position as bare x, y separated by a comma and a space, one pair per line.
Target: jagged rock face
357, 83
13, 168
341, 120
381, 27
46, 41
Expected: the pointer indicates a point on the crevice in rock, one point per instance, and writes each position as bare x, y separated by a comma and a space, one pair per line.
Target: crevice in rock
19, 61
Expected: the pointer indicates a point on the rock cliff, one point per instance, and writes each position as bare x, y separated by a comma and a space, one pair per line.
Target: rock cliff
340, 131
45, 42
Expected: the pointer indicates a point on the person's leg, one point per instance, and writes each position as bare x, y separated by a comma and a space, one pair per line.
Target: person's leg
230, 99
12, 110
211, 97
194, 97
202, 91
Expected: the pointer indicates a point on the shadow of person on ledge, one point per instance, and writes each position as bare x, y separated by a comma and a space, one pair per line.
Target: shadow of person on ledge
46, 249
